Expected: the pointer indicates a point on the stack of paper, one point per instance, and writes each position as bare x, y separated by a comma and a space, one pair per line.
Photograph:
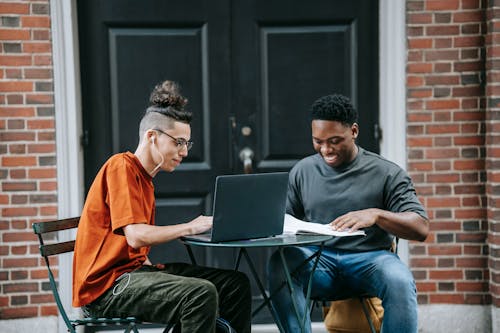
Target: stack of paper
296, 226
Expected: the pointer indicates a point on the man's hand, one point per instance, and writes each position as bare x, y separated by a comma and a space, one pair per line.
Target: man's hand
407, 225
200, 224
356, 220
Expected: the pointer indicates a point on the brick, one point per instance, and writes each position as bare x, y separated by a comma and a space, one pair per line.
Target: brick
19, 312
14, 60
37, 73
43, 198
18, 275
39, 99
468, 141
446, 262
426, 286
16, 136
20, 287
420, 142
42, 60
420, 166
49, 310
435, 5
444, 30
417, 118
470, 213
19, 211
467, 66
19, 250
423, 262
442, 142
35, 21
44, 47
48, 211
442, 79
454, 274
471, 4
41, 124
442, 67
13, 73
441, 55
41, 148
446, 286
19, 300
414, 81
17, 174
14, 8
442, 129
470, 29
471, 262
443, 178
443, 43
37, 274
468, 41
442, 153
419, 68
16, 161
466, 91
420, 93
17, 149
419, 18
468, 16
420, 43
15, 86
48, 186
469, 165
41, 298
442, 250
442, 17
468, 115
442, 202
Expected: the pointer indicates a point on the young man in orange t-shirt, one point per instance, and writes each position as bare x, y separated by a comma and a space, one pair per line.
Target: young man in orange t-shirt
112, 275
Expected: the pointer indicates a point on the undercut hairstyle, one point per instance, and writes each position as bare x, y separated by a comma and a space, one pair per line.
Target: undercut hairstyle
334, 107
166, 105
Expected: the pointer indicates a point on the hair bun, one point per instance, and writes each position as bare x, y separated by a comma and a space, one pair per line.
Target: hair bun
167, 94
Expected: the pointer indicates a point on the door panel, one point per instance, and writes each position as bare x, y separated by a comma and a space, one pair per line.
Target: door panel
250, 69
289, 58
126, 48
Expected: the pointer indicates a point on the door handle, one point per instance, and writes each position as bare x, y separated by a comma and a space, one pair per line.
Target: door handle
246, 155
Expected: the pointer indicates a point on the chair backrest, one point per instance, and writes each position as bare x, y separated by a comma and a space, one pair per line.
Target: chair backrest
55, 248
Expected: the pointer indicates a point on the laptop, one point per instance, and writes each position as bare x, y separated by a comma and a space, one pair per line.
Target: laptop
247, 206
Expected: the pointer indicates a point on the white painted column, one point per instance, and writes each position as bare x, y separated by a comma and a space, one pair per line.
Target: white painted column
67, 102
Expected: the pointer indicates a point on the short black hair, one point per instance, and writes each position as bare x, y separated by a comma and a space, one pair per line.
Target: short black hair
334, 107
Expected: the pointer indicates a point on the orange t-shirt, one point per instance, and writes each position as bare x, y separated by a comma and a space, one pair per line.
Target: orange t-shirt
122, 193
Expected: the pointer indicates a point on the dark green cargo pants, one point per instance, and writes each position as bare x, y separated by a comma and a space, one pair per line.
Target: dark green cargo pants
192, 296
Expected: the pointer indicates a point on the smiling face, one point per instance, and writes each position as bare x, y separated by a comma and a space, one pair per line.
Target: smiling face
334, 141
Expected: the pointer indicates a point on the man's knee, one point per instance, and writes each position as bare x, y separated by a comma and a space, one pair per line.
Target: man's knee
203, 292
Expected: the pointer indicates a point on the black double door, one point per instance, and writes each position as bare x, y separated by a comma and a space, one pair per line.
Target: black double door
250, 69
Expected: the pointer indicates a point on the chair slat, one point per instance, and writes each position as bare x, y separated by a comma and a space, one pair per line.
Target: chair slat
50, 226
47, 250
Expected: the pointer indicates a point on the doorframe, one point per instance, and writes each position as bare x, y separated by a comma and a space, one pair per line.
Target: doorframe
68, 111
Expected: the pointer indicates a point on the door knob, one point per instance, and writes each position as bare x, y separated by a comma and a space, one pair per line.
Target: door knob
246, 155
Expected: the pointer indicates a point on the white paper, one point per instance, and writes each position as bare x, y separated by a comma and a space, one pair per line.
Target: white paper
296, 226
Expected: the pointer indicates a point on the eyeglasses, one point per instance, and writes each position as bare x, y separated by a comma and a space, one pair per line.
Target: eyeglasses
179, 142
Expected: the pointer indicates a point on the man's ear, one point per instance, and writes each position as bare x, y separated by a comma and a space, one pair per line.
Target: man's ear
355, 130
150, 135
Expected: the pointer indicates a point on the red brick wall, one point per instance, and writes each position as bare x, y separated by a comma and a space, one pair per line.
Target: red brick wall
453, 106
493, 145
27, 155
446, 154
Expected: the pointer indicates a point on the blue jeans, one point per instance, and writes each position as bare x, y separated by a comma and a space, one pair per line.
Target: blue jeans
341, 274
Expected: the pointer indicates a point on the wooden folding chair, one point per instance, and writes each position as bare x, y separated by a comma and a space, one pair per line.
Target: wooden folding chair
130, 324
